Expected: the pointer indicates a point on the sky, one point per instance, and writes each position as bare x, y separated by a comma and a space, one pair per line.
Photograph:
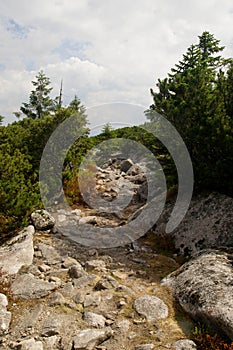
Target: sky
105, 51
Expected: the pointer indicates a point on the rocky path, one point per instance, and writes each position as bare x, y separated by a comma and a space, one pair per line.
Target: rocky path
71, 297
58, 294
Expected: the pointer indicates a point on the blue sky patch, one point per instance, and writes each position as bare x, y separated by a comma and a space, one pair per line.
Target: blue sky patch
2, 66
17, 30
70, 48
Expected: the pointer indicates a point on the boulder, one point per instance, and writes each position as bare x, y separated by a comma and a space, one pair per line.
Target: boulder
17, 252
42, 220
151, 307
207, 224
204, 288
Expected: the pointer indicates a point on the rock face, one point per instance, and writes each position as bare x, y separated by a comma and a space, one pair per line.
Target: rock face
17, 252
204, 288
207, 224
42, 220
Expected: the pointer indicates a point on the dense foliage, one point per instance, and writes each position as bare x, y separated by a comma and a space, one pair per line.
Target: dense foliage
197, 98
21, 147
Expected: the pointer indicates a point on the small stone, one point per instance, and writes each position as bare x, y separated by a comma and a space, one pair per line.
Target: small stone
56, 299
29, 287
61, 218
151, 307
86, 280
93, 252
126, 165
51, 342
42, 220
76, 271
103, 284
79, 298
68, 262
123, 288
94, 320
88, 220
90, 338
122, 326
52, 326
38, 254
56, 280
121, 303
93, 299
109, 322
30, 344
44, 268
132, 335
120, 275
95, 264
145, 347
49, 253
77, 212
5, 316
184, 344
17, 252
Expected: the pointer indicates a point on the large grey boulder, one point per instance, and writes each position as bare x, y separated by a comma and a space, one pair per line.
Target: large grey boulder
88, 339
151, 307
17, 252
207, 224
28, 287
42, 220
5, 316
204, 288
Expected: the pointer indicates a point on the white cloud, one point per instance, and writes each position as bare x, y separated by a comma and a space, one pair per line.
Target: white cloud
104, 50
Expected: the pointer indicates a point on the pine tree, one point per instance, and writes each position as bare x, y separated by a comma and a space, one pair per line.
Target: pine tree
40, 103
190, 98
76, 105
